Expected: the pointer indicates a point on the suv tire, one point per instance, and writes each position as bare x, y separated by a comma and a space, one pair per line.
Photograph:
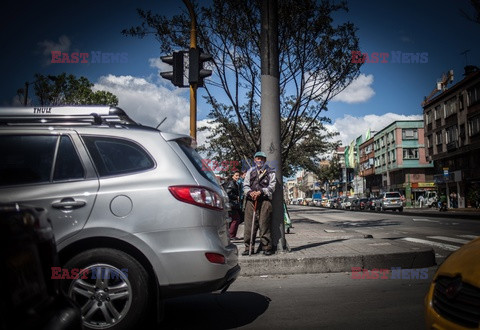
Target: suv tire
118, 298
400, 209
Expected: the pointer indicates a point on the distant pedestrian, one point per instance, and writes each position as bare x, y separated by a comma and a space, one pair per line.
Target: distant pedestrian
258, 188
232, 188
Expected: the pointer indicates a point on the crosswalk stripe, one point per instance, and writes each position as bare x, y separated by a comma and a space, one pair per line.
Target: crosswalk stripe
450, 239
444, 246
468, 236
424, 220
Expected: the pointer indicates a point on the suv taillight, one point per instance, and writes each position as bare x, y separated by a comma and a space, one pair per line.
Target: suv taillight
197, 195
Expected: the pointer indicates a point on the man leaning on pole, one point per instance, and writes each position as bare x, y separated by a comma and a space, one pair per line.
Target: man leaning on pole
258, 188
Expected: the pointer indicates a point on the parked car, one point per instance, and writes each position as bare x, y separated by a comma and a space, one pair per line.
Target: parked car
338, 202
453, 299
353, 203
31, 299
360, 204
346, 203
390, 201
121, 196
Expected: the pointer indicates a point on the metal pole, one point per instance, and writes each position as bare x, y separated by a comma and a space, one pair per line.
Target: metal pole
270, 113
25, 97
193, 86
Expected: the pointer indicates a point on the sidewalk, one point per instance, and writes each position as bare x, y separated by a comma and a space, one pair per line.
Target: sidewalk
465, 213
319, 248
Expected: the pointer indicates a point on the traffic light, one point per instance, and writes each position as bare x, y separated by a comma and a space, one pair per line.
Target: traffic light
196, 71
176, 61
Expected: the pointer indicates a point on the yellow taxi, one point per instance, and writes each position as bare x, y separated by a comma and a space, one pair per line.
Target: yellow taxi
453, 300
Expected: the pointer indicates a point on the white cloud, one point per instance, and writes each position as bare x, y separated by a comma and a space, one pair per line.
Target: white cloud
148, 103
47, 46
351, 127
358, 91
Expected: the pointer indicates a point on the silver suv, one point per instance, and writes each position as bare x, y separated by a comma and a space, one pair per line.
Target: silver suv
135, 216
389, 201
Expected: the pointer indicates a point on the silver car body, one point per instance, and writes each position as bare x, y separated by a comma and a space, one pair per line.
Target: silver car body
390, 201
134, 210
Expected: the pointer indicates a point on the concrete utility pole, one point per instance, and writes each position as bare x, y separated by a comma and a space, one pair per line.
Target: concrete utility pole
270, 113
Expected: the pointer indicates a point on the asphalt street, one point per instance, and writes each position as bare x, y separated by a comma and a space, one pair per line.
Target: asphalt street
441, 231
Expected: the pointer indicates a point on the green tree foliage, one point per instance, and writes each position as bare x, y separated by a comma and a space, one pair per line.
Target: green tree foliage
69, 90
315, 65
330, 172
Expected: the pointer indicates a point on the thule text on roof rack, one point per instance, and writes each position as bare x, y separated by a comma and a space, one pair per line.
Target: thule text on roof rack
65, 115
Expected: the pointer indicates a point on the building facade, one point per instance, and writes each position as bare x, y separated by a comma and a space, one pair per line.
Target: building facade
452, 134
400, 158
373, 181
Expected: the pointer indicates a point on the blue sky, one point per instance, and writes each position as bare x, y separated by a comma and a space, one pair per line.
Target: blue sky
384, 91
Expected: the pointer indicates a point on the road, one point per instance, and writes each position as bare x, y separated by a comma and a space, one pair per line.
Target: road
310, 301
443, 234
334, 300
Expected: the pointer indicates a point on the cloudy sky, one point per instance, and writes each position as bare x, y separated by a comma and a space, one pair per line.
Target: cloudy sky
383, 92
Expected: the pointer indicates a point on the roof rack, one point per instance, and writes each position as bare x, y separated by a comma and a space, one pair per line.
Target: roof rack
64, 115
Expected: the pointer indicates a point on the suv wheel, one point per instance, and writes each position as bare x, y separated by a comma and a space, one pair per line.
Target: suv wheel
400, 209
111, 289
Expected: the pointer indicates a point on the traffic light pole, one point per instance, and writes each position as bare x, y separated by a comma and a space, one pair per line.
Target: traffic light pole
193, 86
270, 114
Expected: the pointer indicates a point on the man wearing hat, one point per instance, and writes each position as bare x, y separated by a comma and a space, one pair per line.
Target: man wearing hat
258, 188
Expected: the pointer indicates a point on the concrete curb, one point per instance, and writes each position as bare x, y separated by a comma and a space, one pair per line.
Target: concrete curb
293, 263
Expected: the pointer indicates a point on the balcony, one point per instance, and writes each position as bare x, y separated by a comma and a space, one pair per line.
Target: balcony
452, 146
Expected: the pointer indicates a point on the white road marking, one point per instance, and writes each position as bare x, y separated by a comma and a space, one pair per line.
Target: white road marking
468, 236
450, 239
334, 231
436, 244
424, 220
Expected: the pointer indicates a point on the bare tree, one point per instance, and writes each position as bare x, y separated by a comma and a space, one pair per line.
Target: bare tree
315, 65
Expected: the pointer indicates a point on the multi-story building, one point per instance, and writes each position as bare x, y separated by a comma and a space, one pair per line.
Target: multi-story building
373, 182
452, 133
400, 157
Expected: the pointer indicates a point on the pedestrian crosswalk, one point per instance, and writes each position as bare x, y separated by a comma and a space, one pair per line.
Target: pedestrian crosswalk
442, 242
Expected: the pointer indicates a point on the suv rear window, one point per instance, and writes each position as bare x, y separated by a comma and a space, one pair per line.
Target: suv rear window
392, 195
115, 156
196, 159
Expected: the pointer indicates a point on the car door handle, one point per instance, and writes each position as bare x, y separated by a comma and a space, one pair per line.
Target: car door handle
68, 204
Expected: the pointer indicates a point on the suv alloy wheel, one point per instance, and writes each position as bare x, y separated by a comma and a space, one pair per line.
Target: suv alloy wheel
112, 289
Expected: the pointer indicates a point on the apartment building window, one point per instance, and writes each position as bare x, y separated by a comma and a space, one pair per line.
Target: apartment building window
409, 134
473, 94
410, 153
460, 102
430, 141
437, 113
377, 162
438, 137
391, 137
391, 156
368, 149
451, 134
474, 125
450, 107
428, 117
